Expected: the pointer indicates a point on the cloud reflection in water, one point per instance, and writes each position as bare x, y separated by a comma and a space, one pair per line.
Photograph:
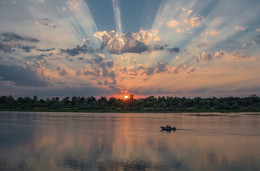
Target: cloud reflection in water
72, 141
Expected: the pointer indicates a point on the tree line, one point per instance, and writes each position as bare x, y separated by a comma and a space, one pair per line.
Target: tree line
152, 103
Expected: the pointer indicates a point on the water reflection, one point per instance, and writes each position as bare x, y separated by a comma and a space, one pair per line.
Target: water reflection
74, 141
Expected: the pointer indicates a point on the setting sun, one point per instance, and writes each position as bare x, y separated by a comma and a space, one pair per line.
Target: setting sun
126, 97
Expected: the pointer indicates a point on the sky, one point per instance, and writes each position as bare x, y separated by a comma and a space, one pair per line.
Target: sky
109, 48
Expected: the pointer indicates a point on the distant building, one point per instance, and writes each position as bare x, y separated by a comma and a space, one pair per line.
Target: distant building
131, 97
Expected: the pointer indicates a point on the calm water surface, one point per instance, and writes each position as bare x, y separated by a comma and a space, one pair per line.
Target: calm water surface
129, 141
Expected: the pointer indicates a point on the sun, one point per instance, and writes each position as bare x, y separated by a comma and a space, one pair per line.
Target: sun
126, 96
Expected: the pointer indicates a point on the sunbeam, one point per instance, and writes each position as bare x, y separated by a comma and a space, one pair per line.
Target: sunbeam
80, 19
116, 8
169, 47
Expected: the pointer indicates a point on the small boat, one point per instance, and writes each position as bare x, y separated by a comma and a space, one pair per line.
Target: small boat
168, 128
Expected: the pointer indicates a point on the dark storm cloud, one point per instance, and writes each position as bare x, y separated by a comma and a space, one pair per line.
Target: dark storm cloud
5, 48
158, 68
165, 47
45, 50
78, 50
26, 48
99, 67
8, 37
110, 63
62, 72
139, 47
9, 42
21, 76
38, 57
175, 49
159, 48
9, 49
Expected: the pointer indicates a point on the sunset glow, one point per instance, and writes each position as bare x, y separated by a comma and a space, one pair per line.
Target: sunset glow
103, 48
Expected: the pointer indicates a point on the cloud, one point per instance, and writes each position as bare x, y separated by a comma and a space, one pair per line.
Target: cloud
173, 23
8, 41
191, 70
241, 28
73, 5
219, 54
26, 48
86, 71
158, 68
45, 50
126, 43
62, 72
246, 45
183, 22
194, 21
37, 57
46, 22
175, 49
257, 29
5, 48
131, 42
203, 45
110, 63
178, 69
8, 37
98, 67
210, 33
22, 76
240, 55
142, 41
254, 42
208, 56
78, 50
165, 47
146, 72
186, 22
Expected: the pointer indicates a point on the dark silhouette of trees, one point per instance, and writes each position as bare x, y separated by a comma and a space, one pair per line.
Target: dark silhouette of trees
151, 103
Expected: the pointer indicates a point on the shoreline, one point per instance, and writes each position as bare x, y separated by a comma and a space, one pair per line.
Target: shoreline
127, 111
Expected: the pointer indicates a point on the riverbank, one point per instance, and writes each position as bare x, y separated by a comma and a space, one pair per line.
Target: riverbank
131, 110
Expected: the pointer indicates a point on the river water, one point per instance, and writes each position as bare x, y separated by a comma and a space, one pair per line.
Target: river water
129, 141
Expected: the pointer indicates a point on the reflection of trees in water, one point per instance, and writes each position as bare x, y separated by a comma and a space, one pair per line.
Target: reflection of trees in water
136, 164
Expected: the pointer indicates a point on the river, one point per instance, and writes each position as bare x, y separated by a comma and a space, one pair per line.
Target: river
129, 141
